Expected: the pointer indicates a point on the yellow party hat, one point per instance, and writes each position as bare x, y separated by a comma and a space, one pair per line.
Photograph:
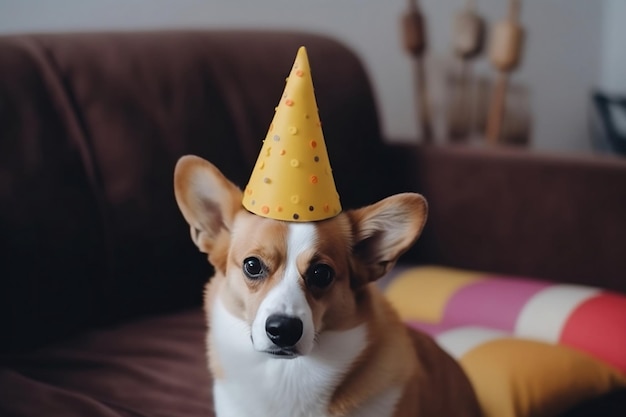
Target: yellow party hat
292, 179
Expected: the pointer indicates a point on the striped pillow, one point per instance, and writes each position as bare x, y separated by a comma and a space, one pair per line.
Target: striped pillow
530, 347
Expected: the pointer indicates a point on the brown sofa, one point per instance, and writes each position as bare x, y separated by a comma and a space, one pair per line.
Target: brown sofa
100, 285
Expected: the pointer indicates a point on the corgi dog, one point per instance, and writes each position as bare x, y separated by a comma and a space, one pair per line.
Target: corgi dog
296, 324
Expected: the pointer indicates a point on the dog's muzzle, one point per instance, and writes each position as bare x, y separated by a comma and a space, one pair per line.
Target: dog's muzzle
284, 332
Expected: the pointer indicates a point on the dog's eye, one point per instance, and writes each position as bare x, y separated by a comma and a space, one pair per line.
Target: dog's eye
253, 268
319, 276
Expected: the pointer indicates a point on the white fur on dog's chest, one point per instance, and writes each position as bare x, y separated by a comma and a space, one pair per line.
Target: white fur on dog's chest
256, 384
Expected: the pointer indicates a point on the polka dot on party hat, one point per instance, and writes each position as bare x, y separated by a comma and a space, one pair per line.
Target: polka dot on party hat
292, 178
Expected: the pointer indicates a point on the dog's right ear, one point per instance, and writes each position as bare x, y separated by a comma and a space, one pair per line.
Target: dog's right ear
207, 199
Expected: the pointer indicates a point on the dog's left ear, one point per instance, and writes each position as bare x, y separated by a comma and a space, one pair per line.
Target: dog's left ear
207, 200
385, 230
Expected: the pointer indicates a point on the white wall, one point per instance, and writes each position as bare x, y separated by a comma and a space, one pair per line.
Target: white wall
614, 42
562, 61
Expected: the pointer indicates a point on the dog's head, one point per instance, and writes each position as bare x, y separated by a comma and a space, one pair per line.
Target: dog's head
292, 281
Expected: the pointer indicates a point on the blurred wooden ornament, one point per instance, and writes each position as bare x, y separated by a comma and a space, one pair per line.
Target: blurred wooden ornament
469, 34
415, 43
505, 56
468, 39
505, 51
414, 33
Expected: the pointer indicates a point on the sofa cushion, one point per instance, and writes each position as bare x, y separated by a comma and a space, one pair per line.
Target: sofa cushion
529, 347
151, 367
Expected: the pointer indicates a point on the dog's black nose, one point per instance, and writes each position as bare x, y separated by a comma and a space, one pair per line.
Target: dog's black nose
283, 331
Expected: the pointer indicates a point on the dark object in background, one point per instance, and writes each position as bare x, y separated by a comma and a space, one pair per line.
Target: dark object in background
609, 405
608, 133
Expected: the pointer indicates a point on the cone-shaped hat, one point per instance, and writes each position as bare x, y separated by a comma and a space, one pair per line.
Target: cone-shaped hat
292, 179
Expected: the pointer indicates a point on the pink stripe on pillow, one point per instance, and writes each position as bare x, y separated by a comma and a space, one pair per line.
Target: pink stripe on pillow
598, 326
494, 302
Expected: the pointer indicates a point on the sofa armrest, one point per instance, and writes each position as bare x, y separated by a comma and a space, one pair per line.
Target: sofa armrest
556, 217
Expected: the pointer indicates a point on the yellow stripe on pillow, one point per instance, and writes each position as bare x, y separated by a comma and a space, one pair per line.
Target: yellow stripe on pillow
518, 377
434, 285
